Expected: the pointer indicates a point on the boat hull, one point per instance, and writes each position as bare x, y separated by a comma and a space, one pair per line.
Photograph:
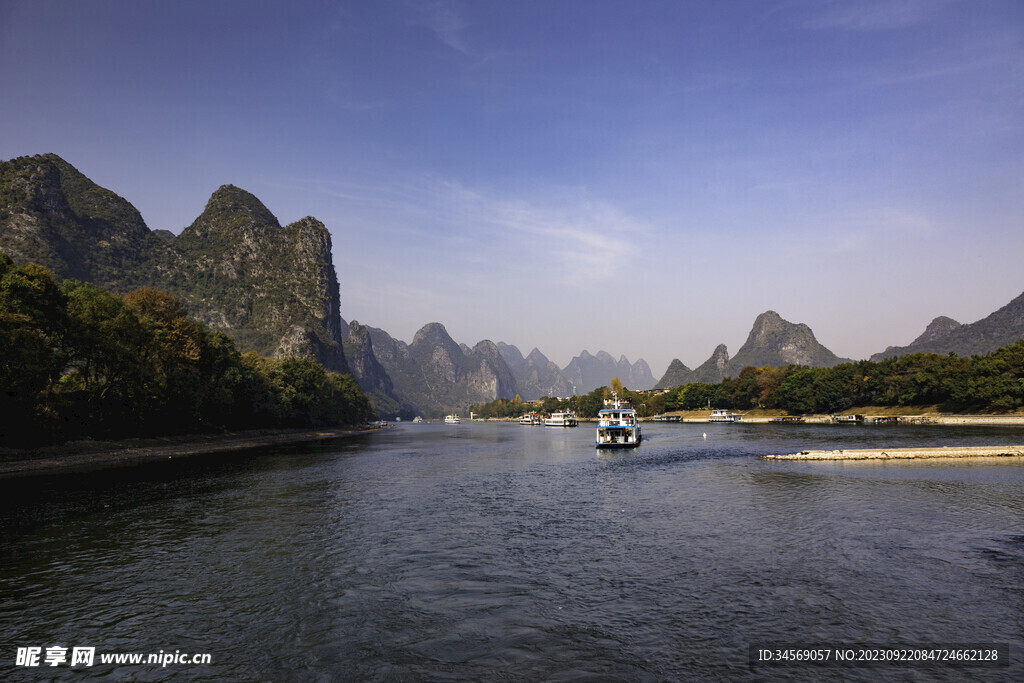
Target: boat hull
612, 437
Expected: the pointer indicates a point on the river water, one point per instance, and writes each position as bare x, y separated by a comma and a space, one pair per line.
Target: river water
495, 551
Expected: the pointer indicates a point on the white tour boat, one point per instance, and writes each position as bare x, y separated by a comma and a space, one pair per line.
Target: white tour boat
531, 419
720, 415
617, 426
452, 419
561, 418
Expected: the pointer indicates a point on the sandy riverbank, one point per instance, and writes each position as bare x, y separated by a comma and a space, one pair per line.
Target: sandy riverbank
82, 456
905, 453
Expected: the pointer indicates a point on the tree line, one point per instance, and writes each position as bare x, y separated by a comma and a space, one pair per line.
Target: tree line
77, 361
992, 383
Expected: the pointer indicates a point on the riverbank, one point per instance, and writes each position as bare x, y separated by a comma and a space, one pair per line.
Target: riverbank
84, 456
909, 415
905, 453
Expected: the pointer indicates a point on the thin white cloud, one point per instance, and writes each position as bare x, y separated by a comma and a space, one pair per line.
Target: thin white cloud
882, 227
445, 20
876, 15
584, 241
567, 237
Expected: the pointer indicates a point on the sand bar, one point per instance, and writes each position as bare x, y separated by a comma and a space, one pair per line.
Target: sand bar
904, 453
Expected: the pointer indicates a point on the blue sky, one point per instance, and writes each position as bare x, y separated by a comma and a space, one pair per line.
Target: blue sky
639, 177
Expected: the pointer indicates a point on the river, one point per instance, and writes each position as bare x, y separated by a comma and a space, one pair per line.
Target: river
488, 551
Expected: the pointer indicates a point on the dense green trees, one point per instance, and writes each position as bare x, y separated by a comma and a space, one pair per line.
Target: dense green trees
77, 361
980, 383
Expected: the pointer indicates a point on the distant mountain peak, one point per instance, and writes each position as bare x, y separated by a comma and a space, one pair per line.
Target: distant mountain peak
229, 210
937, 329
537, 356
774, 341
720, 356
232, 199
587, 372
431, 331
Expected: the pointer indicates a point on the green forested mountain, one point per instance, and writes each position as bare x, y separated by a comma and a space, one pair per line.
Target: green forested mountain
271, 288
52, 215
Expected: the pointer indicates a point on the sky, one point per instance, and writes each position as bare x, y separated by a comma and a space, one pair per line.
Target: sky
640, 177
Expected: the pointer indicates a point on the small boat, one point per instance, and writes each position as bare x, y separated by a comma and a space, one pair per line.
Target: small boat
617, 426
452, 419
667, 418
531, 419
561, 418
417, 420
719, 415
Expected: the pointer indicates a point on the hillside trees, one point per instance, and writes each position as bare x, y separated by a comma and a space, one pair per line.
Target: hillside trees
78, 361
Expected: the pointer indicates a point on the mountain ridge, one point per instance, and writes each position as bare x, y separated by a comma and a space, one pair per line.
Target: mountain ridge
273, 289
944, 335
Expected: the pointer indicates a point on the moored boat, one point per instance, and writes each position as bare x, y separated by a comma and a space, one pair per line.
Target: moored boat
531, 419
452, 419
561, 418
617, 426
720, 415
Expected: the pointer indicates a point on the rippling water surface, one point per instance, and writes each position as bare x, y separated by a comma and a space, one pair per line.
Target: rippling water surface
483, 551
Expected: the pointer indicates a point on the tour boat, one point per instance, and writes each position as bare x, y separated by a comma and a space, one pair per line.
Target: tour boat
531, 419
719, 415
561, 418
617, 426
452, 419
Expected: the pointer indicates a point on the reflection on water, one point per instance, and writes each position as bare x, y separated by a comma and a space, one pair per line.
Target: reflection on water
485, 550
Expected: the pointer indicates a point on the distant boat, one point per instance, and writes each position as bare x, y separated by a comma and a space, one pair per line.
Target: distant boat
452, 419
417, 420
531, 419
667, 418
617, 426
561, 418
719, 415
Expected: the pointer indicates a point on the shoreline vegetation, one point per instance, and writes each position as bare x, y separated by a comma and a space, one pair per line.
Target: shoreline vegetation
86, 456
78, 362
927, 416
